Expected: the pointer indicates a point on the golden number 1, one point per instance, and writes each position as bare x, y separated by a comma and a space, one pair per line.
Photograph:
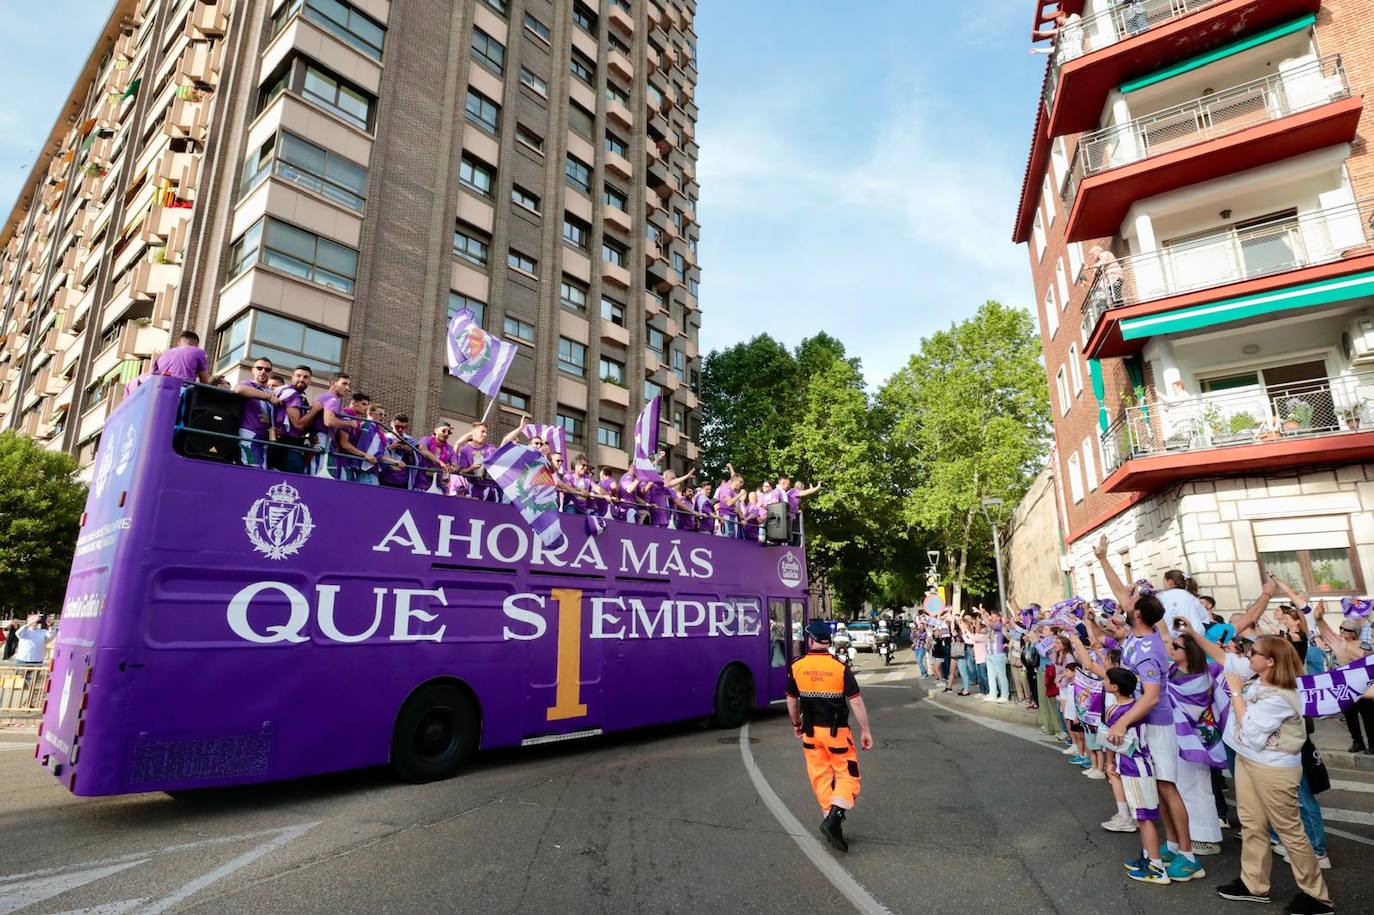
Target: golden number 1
568, 689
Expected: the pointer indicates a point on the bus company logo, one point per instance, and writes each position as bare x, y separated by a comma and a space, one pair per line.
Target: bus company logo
279, 523
790, 570
126, 451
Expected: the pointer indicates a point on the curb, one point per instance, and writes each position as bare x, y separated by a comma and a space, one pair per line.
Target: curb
1334, 759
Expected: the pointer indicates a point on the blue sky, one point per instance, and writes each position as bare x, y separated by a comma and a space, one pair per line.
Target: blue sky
859, 170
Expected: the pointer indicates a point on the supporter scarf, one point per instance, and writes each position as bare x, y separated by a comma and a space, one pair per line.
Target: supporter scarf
1334, 691
1046, 645
1356, 609
1088, 698
1199, 737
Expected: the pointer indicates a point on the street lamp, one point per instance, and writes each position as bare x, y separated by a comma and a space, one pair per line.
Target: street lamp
996, 503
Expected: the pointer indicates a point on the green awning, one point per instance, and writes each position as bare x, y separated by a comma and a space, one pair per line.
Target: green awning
1099, 391
133, 88
1212, 56
1306, 295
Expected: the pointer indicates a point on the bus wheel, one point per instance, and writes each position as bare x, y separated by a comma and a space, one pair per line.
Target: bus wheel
436, 733
734, 697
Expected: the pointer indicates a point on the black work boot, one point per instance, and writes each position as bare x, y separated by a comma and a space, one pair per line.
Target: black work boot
832, 827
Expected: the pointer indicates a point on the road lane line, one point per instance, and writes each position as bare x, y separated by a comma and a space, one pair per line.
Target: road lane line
187, 890
1362, 787
839, 878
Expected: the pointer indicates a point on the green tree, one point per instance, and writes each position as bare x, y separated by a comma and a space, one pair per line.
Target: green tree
970, 420
748, 401
40, 507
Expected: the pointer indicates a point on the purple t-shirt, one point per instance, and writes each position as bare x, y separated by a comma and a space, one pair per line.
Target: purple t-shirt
997, 643
184, 362
290, 397
329, 402
1146, 657
1138, 764
471, 455
584, 484
723, 492
258, 416
370, 439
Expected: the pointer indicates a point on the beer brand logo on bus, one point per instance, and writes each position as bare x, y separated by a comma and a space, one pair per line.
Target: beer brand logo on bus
279, 523
790, 570
126, 451
103, 468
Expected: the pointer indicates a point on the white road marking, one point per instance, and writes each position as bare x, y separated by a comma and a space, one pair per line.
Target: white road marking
16, 746
1362, 787
824, 861
108, 908
19, 895
284, 836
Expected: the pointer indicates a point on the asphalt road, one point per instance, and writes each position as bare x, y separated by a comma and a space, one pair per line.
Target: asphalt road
955, 815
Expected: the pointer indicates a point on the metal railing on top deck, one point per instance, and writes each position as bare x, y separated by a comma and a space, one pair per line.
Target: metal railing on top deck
1253, 414
1122, 20
1257, 249
1217, 114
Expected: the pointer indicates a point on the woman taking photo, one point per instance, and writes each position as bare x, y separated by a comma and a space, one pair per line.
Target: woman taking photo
1266, 730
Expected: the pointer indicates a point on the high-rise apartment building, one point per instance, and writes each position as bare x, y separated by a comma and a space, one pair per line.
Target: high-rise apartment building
327, 181
1198, 211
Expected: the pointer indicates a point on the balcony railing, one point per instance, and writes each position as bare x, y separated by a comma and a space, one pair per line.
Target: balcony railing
1123, 20
1218, 114
1243, 416
1228, 256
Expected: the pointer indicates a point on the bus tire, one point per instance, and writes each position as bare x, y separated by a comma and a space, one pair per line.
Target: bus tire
436, 733
734, 697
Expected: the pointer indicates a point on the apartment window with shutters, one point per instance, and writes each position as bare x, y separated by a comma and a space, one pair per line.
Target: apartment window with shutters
1089, 464
1075, 478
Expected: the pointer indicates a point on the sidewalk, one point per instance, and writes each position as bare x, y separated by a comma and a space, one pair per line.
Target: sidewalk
1331, 737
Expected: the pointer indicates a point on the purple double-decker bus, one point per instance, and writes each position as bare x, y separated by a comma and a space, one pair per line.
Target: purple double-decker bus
227, 625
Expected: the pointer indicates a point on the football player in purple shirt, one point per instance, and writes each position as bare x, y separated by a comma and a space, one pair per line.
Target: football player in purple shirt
186, 360
258, 422
299, 421
332, 417
472, 460
406, 452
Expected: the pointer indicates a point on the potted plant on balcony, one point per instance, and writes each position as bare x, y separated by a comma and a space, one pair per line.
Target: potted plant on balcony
1352, 414
1240, 427
1297, 415
1324, 574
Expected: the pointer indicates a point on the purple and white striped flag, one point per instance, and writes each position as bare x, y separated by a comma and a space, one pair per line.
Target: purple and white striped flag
556, 436
646, 442
1195, 724
524, 476
475, 356
1334, 691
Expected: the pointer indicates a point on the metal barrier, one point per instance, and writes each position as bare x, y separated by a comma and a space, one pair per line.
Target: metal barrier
22, 688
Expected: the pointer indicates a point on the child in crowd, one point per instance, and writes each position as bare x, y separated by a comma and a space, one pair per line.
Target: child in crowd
1136, 771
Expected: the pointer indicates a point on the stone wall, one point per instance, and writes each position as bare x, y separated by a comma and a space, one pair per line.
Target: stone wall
1034, 546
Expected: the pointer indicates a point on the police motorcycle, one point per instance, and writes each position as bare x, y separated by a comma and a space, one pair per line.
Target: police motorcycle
842, 645
884, 639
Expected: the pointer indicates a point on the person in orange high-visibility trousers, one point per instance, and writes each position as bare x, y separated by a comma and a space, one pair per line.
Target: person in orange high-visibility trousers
821, 691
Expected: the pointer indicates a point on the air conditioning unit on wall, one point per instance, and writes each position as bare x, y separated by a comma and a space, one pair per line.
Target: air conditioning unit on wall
1065, 564
1358, 340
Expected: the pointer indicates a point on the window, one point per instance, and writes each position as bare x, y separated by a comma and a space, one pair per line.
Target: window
1061, 386
653, 96
613, 252
612, 311
1051, 313
531, 139
1075, 262
613, 371
255, 334
521, 197
1059, 155
651, 391
617, 44
584, 17
654, 339
1038, 236
469, 246
538, 28
572, 294
522, 262
616, 145
617, 95
331, 93
680, 364
1320, 559
482, 111
677, 218
487, 50
609, 434
1075, 478
1075, 370
679, 264
297, 252
579, 173
581, 121
515, 401
693, 287
1047, 191
339, 19
476, 175
616, 198
309, 166
583, 67
515, 329
534, 82
498, 5
1063, 283
1089, 464
457, 302
576, 232
572, 357
574, 425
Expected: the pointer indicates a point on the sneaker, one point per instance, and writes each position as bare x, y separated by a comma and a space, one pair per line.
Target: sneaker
1085, 761
1304, 904
1278, 849
1167, 856
1121, 823
1206, 848
1136, 864
1076, 760
1070, 750
1150, 873
985, 697
1181, 870
1324, 862
1095, 774
1237, 891
1002, 701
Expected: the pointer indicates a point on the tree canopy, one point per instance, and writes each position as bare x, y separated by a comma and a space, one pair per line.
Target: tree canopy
40, 507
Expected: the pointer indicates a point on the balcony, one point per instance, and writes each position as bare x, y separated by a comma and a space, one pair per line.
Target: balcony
618, 219
621, 20
620, 65
164, 223
141, 340
1233, 272
1246, 430
616, 111
619, 165
1129, 40
612, 332
187, 120
1256, 123
207, 20
617, 395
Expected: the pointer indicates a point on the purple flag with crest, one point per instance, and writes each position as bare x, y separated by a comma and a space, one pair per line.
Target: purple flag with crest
475, 356
526, 479
646, 441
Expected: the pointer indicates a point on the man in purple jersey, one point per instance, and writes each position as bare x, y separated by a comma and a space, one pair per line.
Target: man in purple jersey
364, 445
1144, 655
728, 495
258, 421
186, 360
299, 418
705, 507
332, 418
472, 464
404, 450
439, 454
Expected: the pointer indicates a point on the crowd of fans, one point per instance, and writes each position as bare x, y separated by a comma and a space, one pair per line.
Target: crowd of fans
1156, 694
344, 432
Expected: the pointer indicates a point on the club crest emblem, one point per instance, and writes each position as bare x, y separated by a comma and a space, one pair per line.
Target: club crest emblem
279, 523
472, 347
126, 451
